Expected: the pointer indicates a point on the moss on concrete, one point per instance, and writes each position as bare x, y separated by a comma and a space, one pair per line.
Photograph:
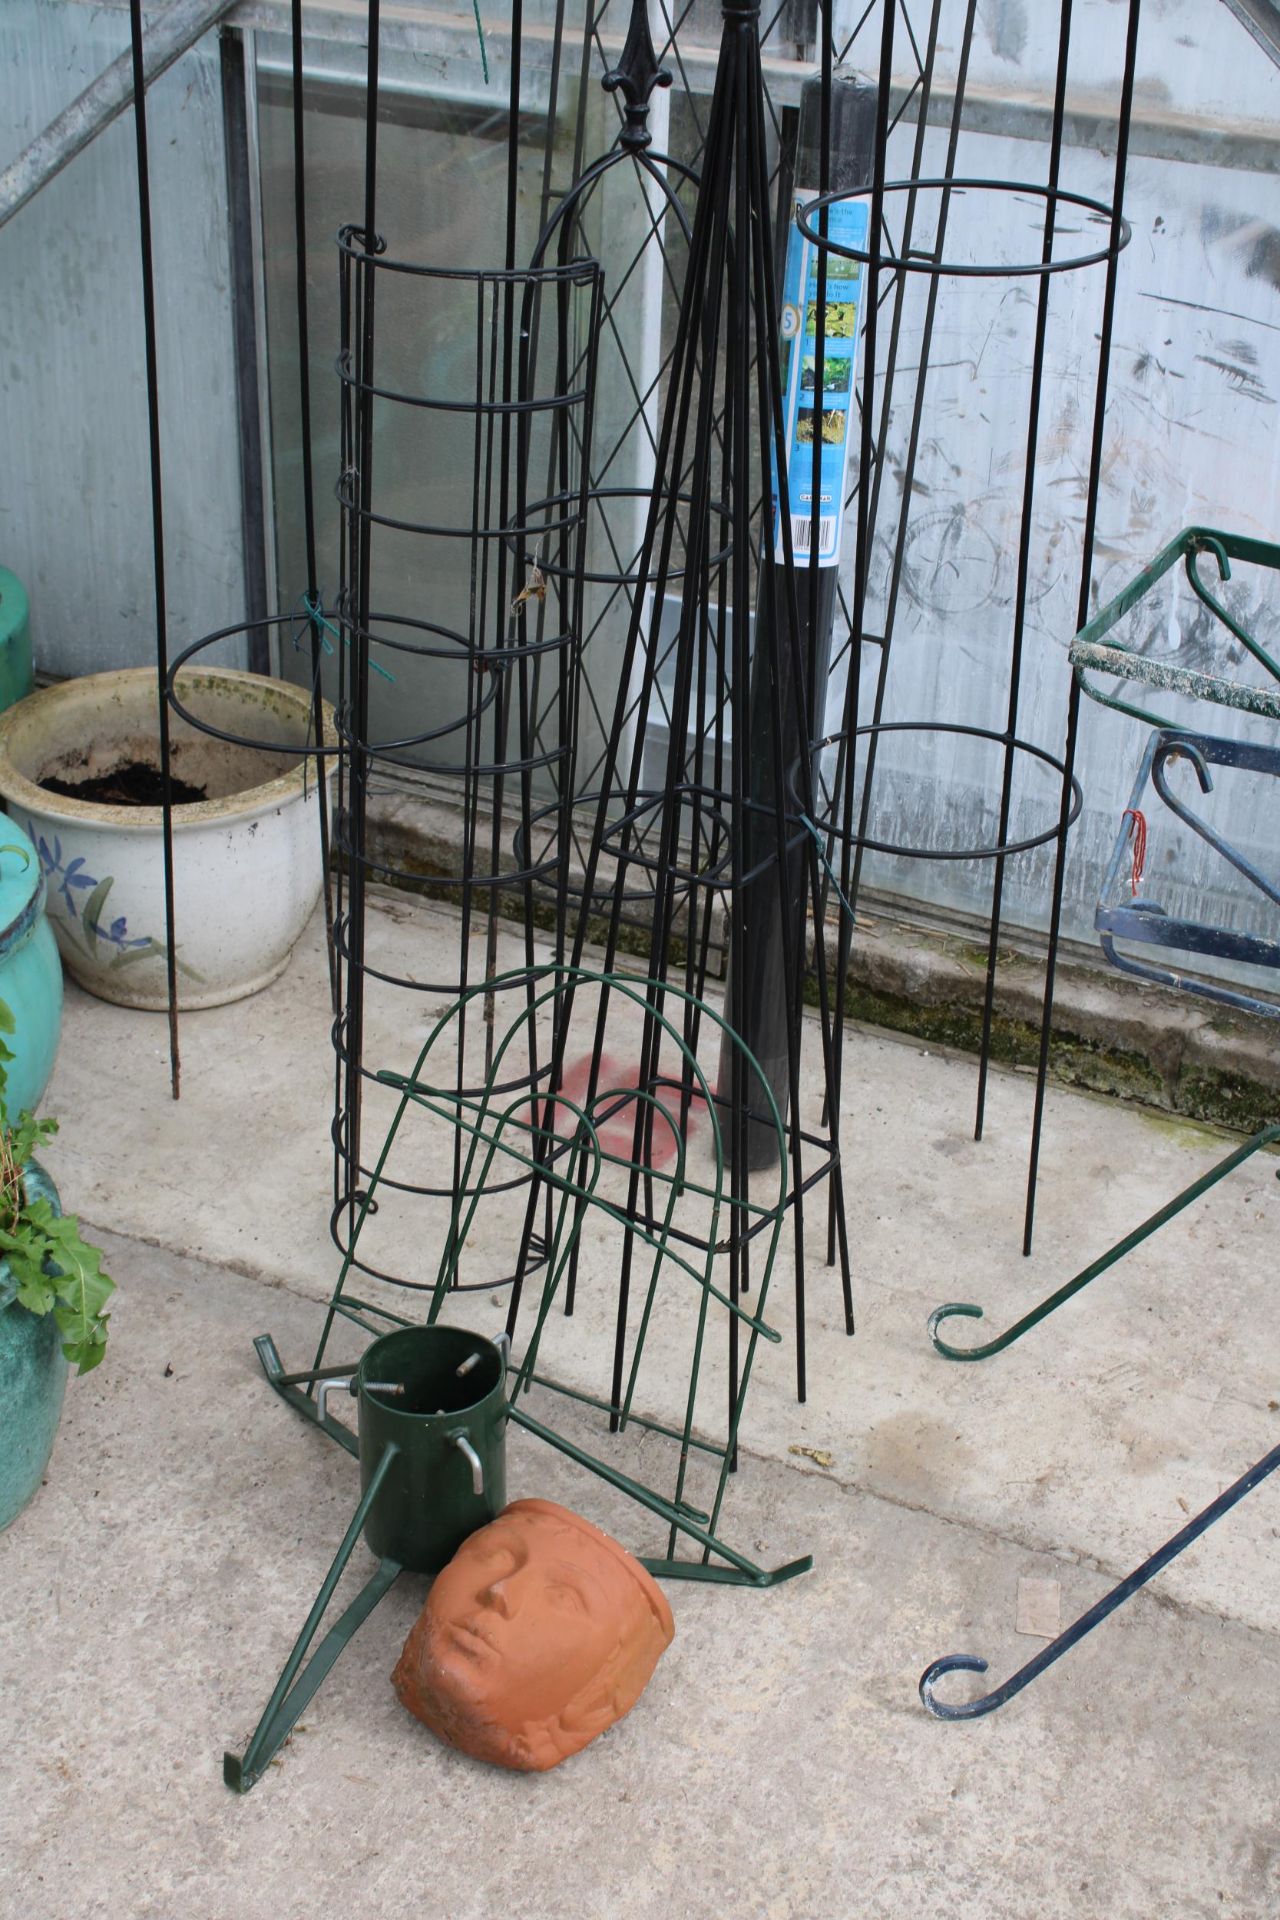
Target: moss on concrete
1228, 1100
429, 880
1218, 1098
1193, 1090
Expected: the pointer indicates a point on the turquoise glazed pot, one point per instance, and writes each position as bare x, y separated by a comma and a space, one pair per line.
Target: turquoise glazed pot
30, 970
16, 679
33, 1379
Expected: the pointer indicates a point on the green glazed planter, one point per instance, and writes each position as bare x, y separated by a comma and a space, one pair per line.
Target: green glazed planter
16, 679
33, 1379
30, 970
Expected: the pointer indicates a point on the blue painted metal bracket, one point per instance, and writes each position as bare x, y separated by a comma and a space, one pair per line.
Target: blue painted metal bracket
1146, 921
970, 1663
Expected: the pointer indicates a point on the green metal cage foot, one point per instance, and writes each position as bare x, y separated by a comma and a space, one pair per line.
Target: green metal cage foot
289, 1387
295, 1689
726, 1576
740, 1572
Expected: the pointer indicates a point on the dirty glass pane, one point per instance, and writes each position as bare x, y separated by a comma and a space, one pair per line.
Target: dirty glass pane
1189, 439
75, 487
1190, 424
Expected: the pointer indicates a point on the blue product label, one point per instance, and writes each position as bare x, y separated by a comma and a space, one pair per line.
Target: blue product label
817, 402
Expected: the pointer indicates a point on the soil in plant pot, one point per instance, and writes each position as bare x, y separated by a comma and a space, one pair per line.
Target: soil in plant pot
132, 784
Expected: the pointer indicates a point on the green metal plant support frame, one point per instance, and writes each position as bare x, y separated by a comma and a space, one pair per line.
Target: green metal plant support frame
503, 1123
564, 1172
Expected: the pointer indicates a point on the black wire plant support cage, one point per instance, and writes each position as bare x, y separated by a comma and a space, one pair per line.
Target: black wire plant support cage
717, 378
716, 844
523, 406
612, 823
911, 219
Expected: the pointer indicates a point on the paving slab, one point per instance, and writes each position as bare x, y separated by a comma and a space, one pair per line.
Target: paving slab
778, 1765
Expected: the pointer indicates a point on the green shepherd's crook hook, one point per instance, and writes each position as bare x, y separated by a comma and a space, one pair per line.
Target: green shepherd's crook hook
958, 1309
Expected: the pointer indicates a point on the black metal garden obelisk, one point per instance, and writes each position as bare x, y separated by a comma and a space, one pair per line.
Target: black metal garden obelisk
720, 439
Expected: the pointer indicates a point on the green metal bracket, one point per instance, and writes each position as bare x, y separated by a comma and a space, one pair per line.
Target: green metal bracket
708, 1575
1092, 652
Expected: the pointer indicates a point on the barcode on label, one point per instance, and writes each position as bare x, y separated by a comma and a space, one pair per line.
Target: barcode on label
802, 532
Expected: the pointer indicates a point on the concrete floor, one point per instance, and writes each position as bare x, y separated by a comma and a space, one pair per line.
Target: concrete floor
780, 1763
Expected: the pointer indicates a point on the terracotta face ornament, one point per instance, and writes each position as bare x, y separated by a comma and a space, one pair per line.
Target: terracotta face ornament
539, 1634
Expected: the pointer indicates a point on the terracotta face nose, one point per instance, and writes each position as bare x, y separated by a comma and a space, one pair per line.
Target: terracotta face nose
498, 1596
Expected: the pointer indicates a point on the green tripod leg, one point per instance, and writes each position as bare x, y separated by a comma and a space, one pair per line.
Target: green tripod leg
289, 1387
289, 1700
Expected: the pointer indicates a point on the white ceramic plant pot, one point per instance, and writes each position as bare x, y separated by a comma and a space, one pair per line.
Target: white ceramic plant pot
247, 863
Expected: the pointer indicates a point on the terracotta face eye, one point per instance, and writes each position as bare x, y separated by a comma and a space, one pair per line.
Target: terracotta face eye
566, 1599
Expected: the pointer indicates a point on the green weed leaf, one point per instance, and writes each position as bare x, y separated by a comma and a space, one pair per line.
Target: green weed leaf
50, 1268
83, 1348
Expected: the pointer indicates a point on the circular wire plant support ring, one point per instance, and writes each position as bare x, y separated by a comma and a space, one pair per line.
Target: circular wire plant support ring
175, 695
626, 574
535, 1260
713, 846
347, 494
532, 1082
918, 260
637, 900
830, 829
541, 836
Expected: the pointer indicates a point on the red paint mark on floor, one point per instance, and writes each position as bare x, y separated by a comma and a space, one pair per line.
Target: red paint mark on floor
613, 1110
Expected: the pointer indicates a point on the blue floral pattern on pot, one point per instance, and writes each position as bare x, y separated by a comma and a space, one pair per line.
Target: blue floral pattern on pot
69, 878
